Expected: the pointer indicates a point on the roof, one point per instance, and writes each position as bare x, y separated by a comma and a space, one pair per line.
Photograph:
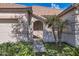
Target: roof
40, 10
12, 5
37, 10
39, 17
71, 7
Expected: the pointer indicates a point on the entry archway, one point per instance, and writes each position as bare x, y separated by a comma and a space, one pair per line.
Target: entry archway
38, 26
38, 29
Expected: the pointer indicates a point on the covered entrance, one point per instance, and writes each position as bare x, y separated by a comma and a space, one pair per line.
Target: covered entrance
38, 29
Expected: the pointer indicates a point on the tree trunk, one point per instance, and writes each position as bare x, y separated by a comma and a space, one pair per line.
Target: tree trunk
54, 34
59, 36
28, 32
28, 27
60, 42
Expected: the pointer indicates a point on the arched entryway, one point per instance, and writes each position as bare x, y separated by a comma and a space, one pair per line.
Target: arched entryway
38, 29
38, 26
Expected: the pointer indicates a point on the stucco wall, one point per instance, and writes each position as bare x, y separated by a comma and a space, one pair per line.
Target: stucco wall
6, 22
6, 34
69, 35
45, 34
10, 15
77, 29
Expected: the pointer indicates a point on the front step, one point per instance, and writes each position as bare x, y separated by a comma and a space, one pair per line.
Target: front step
38, 46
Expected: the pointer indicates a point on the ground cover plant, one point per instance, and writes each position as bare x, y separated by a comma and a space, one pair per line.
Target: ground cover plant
26, 49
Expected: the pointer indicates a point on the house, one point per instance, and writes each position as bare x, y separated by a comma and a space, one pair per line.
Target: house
39, 28
14, 23
71, 36
10, 13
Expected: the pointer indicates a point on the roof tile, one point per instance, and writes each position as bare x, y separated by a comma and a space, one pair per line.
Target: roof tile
12, 5
40, 10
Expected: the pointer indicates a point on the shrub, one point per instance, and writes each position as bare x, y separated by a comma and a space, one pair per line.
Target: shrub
15, 49
65, 50
26, 49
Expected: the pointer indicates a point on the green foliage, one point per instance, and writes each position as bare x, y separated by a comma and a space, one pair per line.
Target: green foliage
16, 49
26, 49
52, 21
58, 26
65, 50
51, 49
29, 11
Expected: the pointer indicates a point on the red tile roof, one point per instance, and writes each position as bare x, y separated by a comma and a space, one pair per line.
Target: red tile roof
12, 5
37, 10
40, 10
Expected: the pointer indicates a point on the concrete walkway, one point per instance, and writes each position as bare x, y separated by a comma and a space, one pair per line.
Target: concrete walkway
38, 46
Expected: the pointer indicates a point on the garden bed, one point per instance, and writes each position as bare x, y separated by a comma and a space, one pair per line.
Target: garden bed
16, 49
26, 49
65, 50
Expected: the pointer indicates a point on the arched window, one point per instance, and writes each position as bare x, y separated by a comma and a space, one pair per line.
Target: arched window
38, 25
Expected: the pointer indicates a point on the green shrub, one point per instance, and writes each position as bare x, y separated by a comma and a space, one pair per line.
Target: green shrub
26, 49
65, 50
15, 49
51, 49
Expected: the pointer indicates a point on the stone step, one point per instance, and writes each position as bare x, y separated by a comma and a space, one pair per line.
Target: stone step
39, 46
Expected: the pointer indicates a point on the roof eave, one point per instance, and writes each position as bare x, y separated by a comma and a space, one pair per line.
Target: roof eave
17, 8
66, 10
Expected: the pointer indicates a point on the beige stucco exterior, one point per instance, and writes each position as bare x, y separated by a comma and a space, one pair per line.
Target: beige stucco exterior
71, 35
6, 30
7, 20
46, 33
10, 17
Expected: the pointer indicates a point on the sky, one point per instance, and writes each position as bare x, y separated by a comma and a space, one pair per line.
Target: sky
60, 6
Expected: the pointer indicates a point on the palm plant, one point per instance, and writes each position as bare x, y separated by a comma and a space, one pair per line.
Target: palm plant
52, 22
62, 25
29, 16
29, 12
57, 26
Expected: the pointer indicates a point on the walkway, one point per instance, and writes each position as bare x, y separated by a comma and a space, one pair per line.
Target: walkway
38, 46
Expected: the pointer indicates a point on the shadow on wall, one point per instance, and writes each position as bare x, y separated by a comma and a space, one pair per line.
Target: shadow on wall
48, 36
20, 31
69, 35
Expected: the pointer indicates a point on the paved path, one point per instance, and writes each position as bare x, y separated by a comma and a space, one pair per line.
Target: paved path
38, 46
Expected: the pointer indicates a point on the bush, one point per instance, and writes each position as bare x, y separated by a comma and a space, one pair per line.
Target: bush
26, 49
16, 49
70, 50
65, 50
